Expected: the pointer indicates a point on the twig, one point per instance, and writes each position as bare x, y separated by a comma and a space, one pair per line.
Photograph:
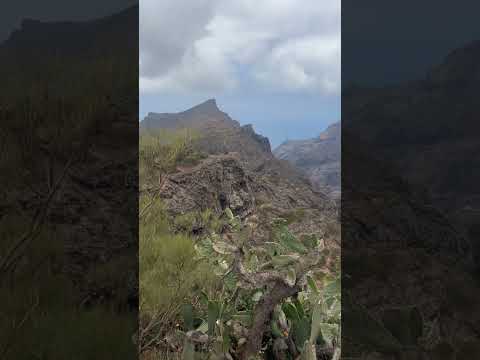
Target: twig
16, 329
12, 255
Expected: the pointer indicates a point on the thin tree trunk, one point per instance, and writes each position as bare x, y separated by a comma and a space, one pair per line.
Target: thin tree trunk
262, 316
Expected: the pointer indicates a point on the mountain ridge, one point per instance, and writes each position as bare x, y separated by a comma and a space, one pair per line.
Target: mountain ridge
221, 133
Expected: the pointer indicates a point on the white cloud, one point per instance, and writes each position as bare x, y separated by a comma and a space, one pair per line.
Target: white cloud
167, 31
309, 63
280, 45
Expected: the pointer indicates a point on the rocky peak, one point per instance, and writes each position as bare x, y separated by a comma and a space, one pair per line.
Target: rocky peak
209, 106
196, 117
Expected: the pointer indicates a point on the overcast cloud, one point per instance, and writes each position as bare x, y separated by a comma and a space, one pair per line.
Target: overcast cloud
226, 46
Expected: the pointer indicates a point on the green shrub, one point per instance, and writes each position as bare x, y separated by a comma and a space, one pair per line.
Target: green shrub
170, 276
161, 151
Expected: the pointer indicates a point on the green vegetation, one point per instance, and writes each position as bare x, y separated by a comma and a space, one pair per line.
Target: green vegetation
161, 151
169, 276
207, 291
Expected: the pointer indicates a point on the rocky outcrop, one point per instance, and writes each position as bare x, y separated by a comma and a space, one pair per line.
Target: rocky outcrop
318, 158
222, 181
217, 183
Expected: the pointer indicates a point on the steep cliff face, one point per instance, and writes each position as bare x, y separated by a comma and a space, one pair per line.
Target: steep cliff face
318, 158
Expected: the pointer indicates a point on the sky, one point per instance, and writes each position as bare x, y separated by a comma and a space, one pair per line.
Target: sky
272, 63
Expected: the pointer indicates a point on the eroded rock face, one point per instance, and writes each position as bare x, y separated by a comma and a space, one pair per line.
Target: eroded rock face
217, 183
222, 181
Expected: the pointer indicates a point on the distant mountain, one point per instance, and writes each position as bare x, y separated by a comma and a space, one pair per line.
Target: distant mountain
318, 158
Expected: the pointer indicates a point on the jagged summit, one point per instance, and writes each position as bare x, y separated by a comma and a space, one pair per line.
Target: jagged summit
197, 116
209, 105
205, 109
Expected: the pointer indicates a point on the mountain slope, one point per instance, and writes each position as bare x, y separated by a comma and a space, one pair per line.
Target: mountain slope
318, 158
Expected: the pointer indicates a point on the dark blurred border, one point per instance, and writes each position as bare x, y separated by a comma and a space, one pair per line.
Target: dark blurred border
69, 180
410, 175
